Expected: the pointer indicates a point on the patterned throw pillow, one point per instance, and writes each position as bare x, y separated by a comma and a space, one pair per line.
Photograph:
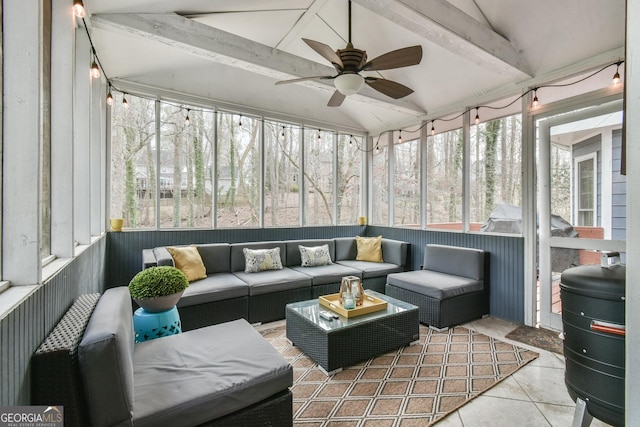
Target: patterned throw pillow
256, 260
314, 256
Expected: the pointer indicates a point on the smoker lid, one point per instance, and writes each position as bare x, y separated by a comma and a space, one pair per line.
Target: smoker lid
595, 281
506, 218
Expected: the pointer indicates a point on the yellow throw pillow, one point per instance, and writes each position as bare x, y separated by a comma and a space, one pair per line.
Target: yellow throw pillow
187, 259
369, 249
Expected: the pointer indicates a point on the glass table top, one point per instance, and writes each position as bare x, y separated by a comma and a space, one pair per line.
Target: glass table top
311, 311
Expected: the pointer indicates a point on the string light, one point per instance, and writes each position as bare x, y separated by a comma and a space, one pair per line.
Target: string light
125, 104
109, 96
616, 76
477, 120
240, 121
282, 134
187, 121
433, 128
319, 136
95, 71
535, 98
350, 139
78, 9
377, 149
400, 136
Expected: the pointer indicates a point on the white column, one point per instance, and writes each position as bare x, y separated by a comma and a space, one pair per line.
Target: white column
466, 169
22, 68
62, 72
632, 120
82, 141
606, 181
96, 154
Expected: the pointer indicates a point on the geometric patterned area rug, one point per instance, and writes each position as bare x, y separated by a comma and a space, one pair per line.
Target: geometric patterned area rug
411, 386
537, 337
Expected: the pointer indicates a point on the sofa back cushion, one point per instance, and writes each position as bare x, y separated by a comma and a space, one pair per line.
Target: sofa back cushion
293, 250
106, 359
216, 257
346, 248
237, 253
395, 252
459, 261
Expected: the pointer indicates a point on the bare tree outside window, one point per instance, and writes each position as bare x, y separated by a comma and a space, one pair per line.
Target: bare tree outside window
238, 171
444, 180
406, 201
380, 181
282, 144
318, 176
349, 169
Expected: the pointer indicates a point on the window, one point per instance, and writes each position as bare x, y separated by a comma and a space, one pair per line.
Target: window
238, 171
185, 167
282, 144
585, 190
444, 180
350, 149
495, 168
318, 176
380, 181
406, 202
133, 146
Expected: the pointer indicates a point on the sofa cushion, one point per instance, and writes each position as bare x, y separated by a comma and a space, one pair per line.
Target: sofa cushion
187, 259
215, 287
216, 257
204, 374
369, 249
459, 261
294, 257
435, 284
345, 248
106, 359
325, 274
257, 260
372, 269
314, 256
274, 280
237, 253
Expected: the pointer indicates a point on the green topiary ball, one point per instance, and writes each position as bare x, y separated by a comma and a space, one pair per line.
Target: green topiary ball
155, 282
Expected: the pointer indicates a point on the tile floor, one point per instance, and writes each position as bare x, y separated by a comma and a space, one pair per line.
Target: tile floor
534, 396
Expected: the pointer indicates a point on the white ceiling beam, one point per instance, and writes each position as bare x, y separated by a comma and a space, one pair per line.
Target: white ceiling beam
301, 24
229, 49
447, 26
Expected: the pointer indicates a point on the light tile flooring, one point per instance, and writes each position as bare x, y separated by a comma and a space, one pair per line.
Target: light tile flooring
534, 396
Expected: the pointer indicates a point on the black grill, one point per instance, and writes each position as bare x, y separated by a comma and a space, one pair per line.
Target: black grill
593, 315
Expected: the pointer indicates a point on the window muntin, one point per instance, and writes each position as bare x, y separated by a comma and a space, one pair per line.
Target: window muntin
586, 191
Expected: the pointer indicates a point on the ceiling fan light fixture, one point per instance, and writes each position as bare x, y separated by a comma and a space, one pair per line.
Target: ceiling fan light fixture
348, 84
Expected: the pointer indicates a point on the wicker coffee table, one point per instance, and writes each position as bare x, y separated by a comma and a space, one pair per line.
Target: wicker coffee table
342, 342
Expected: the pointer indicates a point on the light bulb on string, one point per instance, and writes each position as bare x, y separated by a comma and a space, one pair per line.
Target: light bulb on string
433, 129
95, 70
187, 121
125, 104
109, 96
616, 76
240, 122
477, 120
400, 136
377, 149
350, 139
282, 134
535, 98
78, 9
319, 136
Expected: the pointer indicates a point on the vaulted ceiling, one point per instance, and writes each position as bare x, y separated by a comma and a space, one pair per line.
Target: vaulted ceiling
233, 52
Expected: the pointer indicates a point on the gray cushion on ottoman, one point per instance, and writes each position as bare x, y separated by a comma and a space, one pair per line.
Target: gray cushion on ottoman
190, 378
106, 359
434, 284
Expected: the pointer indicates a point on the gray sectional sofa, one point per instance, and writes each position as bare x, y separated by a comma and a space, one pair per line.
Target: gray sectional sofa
221, 375
228, 293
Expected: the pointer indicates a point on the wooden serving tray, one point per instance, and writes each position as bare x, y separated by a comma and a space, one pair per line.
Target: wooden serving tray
370, 304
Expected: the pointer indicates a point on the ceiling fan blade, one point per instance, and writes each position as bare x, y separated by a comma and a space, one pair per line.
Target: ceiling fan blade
302, 79
326, 52
390, 88
395, 59
336, 99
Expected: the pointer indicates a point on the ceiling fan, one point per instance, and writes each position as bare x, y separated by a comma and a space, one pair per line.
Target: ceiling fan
349, 62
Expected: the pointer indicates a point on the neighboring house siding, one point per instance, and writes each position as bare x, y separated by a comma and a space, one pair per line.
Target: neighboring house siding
619, 191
